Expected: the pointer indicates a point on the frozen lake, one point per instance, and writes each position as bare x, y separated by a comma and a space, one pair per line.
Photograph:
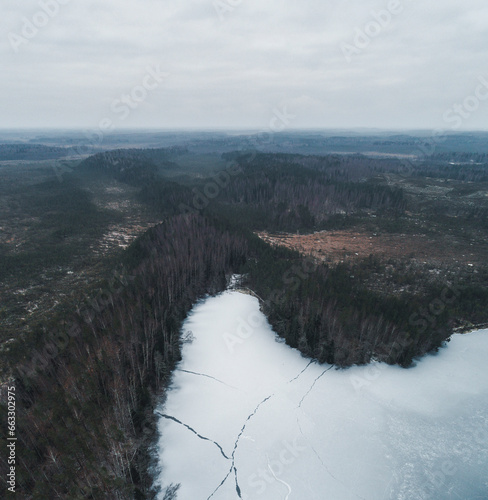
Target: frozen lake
247, 417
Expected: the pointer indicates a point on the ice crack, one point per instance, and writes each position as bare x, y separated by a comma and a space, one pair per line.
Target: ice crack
313, 385
322, 462
236, 444
221, 484
246, 422
302, 372
238, 489
168, 417
207, 376
316, 454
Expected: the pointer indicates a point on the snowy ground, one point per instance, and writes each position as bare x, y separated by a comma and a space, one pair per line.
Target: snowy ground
247, 417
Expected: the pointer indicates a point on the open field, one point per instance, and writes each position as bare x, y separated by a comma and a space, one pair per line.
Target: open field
351, 245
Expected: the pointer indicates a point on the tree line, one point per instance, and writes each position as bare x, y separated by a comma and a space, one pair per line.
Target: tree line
82, 417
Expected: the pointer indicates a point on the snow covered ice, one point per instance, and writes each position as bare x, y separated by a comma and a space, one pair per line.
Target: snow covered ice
248, 417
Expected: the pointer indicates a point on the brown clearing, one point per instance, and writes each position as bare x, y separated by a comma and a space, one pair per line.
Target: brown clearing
351, 245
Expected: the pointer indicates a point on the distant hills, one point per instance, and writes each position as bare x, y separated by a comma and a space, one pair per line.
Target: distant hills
33, 152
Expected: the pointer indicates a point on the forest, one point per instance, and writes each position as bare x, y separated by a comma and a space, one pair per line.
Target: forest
84, 396
88, 374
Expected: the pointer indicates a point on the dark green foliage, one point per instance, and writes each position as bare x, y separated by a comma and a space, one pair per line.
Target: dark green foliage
165, 196
124, 165
289, 193
63, 205
92, 396
32, 152
327, 314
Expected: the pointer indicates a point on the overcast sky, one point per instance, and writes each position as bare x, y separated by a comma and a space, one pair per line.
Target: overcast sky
231, 63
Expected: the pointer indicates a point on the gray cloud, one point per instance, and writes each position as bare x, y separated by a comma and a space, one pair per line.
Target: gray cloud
232, 70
